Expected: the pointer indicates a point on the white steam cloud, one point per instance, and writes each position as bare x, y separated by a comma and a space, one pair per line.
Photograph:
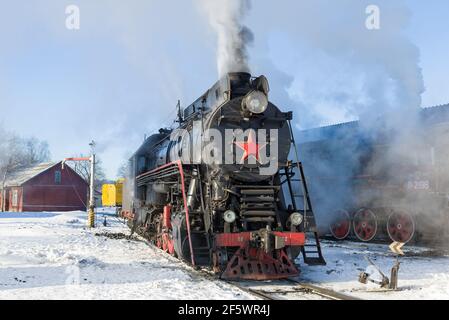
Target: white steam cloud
225, 17
343, 71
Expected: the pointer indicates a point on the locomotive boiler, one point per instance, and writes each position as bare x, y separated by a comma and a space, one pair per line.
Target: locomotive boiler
220, 191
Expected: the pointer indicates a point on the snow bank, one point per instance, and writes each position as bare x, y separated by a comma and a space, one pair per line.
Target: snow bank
421, 277
54, 256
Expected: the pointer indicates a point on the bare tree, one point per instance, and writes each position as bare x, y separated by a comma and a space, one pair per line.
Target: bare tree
17, 153
123, 170
36, 151
6, 161
83, 169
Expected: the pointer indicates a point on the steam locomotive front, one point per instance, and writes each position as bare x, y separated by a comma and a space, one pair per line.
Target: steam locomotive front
216, 183
251, 131
245, 143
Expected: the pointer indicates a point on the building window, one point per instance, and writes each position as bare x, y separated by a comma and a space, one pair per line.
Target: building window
15, 198
57, 177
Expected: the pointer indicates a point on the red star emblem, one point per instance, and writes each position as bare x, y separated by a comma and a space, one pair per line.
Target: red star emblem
250, 147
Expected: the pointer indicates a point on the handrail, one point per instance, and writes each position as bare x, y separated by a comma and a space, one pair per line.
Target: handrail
178, 164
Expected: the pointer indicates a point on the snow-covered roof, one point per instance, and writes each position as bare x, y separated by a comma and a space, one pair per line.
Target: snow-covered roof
429, 116
23, 175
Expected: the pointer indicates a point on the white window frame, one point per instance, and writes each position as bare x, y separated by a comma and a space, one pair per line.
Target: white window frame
15, 198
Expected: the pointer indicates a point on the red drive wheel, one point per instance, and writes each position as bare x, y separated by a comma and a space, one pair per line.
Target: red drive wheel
365, 225
341, 225
400, 227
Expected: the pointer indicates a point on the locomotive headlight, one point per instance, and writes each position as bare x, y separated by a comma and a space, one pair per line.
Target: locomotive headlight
229, 216
256, 102
296, 219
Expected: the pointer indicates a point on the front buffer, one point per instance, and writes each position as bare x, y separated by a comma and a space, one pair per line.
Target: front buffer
257, 255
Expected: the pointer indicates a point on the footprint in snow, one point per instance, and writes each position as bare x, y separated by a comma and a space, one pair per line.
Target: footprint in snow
19, 280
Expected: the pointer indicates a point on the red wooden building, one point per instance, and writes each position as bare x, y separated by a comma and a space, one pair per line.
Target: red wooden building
44, 187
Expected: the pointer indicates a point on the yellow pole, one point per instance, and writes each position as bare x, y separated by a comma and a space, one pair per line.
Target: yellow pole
91, 218
91, 214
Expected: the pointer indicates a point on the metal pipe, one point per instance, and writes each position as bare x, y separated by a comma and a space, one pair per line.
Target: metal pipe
191, 194
186, 209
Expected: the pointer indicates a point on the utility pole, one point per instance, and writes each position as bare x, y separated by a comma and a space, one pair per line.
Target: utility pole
91, 159
91, 215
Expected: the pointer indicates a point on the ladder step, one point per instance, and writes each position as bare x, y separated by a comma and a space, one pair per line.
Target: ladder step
259, 219
257, 207
257, 192
257, 199
313, 241
255, 204
258, 213
315, 261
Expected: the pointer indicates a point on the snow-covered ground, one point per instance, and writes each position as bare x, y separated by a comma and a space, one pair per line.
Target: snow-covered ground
422, 275
54, 256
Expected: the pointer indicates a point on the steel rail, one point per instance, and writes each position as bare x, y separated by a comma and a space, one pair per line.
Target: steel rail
297, 286
325, 292
305, 288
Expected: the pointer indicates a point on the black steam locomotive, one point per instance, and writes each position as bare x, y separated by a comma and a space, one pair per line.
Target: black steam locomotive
220, 189
370, 186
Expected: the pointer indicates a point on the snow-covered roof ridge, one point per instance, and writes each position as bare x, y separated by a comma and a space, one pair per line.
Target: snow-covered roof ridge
444, 105
434, 114
21, 176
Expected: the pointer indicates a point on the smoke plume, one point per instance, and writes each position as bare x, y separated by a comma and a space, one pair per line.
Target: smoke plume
225, 17
342, 71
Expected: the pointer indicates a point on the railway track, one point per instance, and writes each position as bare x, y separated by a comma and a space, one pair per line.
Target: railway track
296, 289
278, 288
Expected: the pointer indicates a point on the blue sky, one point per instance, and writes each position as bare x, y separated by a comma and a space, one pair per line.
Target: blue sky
119, 77
429, 30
